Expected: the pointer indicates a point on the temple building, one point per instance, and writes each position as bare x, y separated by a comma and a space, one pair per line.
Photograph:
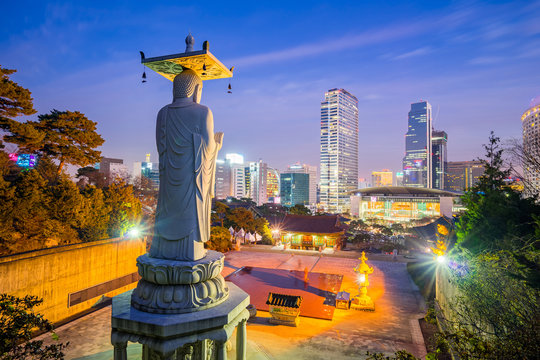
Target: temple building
310, 232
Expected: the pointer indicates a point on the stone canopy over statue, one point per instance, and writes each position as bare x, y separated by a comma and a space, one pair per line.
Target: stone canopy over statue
187, 148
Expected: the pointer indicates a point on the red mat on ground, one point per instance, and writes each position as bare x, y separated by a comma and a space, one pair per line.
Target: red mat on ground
319, 293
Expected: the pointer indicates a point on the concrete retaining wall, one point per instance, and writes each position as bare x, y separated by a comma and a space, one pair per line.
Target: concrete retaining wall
72, 278
445, 290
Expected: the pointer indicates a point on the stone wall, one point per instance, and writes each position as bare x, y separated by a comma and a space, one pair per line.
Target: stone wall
72, 278
445, 290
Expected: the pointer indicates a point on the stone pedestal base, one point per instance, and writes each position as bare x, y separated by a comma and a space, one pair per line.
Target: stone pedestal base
195, 335
362, 302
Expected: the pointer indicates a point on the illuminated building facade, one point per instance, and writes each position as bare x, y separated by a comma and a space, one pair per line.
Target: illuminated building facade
147, 169
238, 179
111, 168
462, 175
25, 161
272, 185
401, 203
339, 150
294, 189
258, 172
223, 184
417, 161
312, 171
439, 161
530, 121
384, 177
230, 177
399, 178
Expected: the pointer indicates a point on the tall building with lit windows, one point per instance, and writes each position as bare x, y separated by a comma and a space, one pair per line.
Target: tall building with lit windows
312, 172
230, 177
272, 185
258, 173
439, 160
384, 177
339, 150
417, 163
530, 120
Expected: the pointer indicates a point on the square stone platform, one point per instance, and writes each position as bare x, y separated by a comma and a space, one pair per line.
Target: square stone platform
318, 293
163, 334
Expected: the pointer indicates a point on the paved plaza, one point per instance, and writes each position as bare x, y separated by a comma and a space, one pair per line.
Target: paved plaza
392, 326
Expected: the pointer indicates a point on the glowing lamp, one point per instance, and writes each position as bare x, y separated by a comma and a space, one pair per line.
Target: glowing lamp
441, 259
362, 301
134, 232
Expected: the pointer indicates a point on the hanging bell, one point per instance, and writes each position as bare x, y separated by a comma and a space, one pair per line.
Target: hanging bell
144, 76
229, 89
204, 69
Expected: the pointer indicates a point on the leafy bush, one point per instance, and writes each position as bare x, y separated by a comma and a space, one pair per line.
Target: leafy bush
17, 321
220, 239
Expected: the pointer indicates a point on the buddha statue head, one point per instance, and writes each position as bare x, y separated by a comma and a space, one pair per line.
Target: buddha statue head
187, 84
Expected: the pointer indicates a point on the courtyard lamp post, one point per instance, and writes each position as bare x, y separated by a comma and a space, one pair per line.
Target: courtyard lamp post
362, 301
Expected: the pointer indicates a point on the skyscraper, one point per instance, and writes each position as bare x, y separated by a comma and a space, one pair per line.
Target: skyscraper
417, 161
230, 177
148, 170
223, 184
272, 184
530, 120
439, 159
312, 171
339, 150
294, 189
258, 172
463, 175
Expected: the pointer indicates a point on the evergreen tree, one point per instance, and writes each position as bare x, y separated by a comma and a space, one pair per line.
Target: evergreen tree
125, 208
70, 137
299, 209
95, 223
14, 99
497, 216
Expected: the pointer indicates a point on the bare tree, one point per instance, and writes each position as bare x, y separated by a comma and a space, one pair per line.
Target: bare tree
529, 160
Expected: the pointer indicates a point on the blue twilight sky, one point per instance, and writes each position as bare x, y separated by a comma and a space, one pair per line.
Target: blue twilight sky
476, 62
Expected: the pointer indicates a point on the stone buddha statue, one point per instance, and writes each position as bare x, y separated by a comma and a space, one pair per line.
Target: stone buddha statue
187, 148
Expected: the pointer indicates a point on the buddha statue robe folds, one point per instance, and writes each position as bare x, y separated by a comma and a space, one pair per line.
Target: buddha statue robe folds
187, 148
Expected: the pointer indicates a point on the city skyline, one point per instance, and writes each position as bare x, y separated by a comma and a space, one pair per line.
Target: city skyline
459, 61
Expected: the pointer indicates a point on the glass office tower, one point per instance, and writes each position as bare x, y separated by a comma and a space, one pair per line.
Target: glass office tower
439, 161
294, 189
339, 150
417, 163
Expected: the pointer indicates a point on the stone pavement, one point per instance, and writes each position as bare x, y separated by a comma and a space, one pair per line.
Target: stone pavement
392, 326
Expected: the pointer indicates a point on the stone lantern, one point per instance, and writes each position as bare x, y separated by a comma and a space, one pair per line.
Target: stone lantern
362, 301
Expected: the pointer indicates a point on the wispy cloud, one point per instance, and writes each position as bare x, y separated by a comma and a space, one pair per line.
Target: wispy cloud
344, 43
486, 60
368, 37
417, 52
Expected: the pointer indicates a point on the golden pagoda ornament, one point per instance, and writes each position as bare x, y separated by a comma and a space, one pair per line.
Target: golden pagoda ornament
362, 301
